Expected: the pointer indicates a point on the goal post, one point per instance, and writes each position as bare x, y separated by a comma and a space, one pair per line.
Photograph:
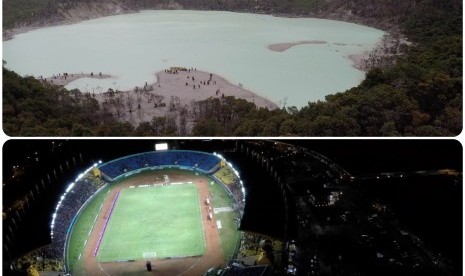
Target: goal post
149, 255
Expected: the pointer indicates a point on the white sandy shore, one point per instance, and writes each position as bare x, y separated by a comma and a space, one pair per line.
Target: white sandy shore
157, 97
62, 79
281, 47
357, 59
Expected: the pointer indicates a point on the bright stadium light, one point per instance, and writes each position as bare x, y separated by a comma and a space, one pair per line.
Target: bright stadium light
70, 187
162, 146
235, 172
63, 196
79, 177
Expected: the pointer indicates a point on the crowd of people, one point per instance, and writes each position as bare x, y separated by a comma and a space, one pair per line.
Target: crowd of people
68, 209
197, 160
233, 184
51, 257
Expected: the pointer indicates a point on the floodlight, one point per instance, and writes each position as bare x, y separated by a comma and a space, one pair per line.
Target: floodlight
162, 146
70, 187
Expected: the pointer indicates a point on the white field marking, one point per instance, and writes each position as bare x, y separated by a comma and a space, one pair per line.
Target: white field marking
218, 223
171, 247
79, 256
142, 186
123, 244
202, 226
177, 183
108, 191
90, 231
95, 218
85, 243
100, 207
102, 269
132, 186
185, 271
222, 209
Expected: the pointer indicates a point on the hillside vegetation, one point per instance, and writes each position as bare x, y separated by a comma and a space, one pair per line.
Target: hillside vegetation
421, 95
378, 13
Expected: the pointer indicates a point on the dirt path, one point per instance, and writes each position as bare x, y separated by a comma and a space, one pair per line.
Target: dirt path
213, 256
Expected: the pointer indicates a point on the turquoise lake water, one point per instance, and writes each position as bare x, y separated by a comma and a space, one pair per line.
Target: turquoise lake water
134, 47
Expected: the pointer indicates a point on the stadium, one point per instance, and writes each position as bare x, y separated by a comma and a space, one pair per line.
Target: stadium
160, 205
220, 207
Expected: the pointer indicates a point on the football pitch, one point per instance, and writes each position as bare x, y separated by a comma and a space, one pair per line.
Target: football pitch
154, 222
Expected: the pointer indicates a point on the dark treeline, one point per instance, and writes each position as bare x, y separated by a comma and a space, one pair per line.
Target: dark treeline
31, 108
421, 95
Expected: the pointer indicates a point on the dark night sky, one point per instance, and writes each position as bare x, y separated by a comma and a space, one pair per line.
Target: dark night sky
362, 156
371, 156
357, 156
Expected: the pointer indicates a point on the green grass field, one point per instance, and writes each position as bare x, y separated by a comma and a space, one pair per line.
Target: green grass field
81, 229
229, 234
149, 222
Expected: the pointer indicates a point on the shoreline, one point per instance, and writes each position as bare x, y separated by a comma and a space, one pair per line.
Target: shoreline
361, 61
65, 78
119, 10
8, 34
176, 93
